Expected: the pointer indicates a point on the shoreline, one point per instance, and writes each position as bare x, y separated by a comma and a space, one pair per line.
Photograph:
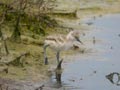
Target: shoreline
83, 16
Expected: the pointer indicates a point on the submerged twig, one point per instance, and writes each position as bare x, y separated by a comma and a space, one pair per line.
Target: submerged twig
40, 88
17, 61
6, 48
4, 42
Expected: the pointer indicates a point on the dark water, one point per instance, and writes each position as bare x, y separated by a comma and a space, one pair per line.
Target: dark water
88, 71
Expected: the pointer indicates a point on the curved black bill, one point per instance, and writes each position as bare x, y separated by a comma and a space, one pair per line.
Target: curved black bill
79, 40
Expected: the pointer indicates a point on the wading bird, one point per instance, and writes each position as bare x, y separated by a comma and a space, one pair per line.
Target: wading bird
60, 43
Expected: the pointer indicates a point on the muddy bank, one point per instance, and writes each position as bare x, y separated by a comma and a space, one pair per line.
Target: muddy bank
8, 84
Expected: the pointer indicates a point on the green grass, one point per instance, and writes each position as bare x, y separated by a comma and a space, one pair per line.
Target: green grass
94, 8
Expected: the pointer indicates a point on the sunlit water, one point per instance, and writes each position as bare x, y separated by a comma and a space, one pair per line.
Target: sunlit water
88, 71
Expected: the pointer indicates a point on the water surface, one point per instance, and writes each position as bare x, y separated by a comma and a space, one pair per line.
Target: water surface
88, 71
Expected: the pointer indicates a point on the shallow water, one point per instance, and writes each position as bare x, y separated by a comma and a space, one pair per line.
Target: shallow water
88, 71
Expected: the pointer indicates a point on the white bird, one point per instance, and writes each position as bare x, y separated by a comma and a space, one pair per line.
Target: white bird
60, 43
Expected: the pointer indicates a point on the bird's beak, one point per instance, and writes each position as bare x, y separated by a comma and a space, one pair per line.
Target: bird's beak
78, 40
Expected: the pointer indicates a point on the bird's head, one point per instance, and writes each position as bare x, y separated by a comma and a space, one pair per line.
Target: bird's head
75, 36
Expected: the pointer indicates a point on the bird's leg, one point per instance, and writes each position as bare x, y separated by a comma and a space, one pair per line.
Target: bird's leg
58, 56
45, 55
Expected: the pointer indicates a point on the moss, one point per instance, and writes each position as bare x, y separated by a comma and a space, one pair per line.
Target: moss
71, 15
34, 62
110, 1
94, 8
